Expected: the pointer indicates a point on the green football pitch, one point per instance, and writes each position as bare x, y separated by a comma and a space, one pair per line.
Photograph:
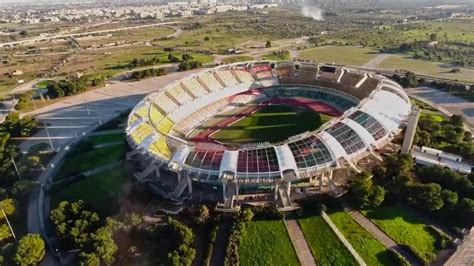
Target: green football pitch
272, 123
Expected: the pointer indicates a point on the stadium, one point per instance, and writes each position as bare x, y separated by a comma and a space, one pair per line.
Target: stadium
263, 131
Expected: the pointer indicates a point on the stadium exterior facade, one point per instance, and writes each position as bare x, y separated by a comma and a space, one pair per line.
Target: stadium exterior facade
373, 111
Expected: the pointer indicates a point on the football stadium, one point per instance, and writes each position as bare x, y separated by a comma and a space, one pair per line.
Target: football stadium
263, 131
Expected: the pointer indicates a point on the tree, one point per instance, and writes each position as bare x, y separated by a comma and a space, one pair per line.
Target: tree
202, 215
8, 206
400, 164
186, 57
74, 223
17, 127
5, 232
364, 193
433, 37
31, 250
450, 198
423, 138
4, 137
246, 215
456, 120
268, 44
104, 245
376, 196
89, 259
23, 187
172, 58
427, 196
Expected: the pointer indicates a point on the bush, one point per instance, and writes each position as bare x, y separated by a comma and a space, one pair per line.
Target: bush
232, 254
424, 258
400, 259
188, 65
210, 246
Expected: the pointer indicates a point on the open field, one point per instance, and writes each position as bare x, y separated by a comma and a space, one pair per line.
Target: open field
431, 68
369, 248
103, 139
266, 243
83, 161
95, 190
116, 60
345, 55
326, 247
454, 31
277, 55
405, 228
237, 58
136, 35
272, 123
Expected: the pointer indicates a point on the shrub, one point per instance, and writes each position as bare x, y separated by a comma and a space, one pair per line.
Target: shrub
400, 259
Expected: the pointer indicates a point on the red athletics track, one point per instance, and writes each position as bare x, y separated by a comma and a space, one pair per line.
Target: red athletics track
316, 106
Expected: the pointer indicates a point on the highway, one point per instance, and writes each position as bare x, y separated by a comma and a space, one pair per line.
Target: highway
73, 35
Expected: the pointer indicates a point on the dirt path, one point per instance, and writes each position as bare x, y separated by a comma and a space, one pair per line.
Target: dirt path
374, 62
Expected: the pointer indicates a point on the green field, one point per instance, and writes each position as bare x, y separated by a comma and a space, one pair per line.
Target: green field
89, 160
431, 68
405, 228
326, 247
104, 139
236, 58
95, 190
369, 248
272, 123
345, 55
266, 243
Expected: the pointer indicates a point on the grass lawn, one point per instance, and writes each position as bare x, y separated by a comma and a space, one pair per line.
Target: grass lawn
266, 243
43, 84
95, 190
103, 139
277, 55
431, 68
236, 58
345, 55
89, 160
405, 228
326, 247
369, 248
272, 123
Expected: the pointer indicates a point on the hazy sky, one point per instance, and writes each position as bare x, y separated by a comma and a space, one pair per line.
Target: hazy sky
138, 1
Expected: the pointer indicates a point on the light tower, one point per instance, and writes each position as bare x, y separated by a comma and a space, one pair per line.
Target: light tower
411, 129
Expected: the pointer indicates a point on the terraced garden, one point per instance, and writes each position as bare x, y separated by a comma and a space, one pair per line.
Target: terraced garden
266, 242
406, 228
325, 246
369, 248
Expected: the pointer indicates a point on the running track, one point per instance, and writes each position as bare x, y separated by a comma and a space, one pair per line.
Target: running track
320, 107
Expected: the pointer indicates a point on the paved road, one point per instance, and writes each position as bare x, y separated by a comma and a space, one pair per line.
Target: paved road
451, 103
299, 242
374, 62
381, 236
70, 117
59, 36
